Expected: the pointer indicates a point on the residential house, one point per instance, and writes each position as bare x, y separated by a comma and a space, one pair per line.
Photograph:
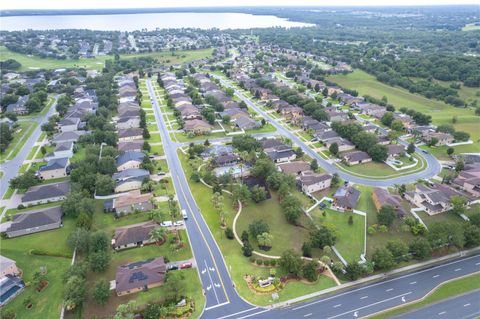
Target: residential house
139, 276
395, 150
8, 267
294, 168
381, 197
70, 136
247, 123
469, 180
131, 202
135, 235
343, 144
434, 199
226, 159
131, 146
18, 107
35, 221
130, 134
124, 123
442, 138
130, 159
280, 153
55, 168
129, 179
346, 198
69, 124
47, 193
311, 182
356, 157
63, 149
197, 127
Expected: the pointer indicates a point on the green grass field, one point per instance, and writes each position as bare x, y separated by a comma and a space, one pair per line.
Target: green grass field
471, 27
97, 63
441, 113
20, 136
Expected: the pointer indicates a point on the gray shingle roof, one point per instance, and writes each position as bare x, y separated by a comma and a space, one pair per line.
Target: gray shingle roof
36, 218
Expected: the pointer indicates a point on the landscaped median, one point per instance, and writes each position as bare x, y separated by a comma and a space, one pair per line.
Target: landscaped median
446, 290
241, 267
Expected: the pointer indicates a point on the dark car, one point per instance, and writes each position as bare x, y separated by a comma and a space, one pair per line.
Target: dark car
172, 267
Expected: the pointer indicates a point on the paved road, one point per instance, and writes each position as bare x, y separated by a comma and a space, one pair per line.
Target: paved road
433, 166
11, 167
463, 307
221, 297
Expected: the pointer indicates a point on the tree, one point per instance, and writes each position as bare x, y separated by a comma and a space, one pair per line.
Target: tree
399, 250
333, 148
459, 166
309, 270
458, 204
24, 181
433, 141
397, 125
354, 270
126, 311
104, 184
258, 194
99, 241
258, 227
158, 235
378, 152
6, 136
307, 249
290, 262
79, 240
472, 235
386, 215
411, 148
335, 179
314, 165
420, 248
73, 292
240, 193
264, 240
383, 259
101, 292
247, 249
99, 261
450, 151
229, 233
291, 207
175, 285
387, 119
446, 234
263, 167
325, 235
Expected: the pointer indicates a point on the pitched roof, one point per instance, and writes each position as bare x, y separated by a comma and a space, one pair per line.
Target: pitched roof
140, 274
130, 173
130, 156
346, 196
308, 178
36, 218
131, 198
294, 167
130, 145
129, 132
47, 191
133, 234
356, 156
56, 163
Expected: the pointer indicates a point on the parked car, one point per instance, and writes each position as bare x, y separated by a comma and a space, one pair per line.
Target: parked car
167, 223
426, 152
172, 267
184, 214
186, 265
161, 173
178, 223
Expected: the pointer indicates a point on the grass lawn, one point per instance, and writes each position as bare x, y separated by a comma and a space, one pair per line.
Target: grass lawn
9, 193
350, 238
285, 235
46, 304
154, 138
441, 113
267, 128
447, 290
237, 264
157, 150
448, 217
32, 152
20, 136
440, 152
471, 27
164, 57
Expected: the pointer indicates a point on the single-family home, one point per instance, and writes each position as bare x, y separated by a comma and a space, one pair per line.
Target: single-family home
131, 202
135, 145
381, 197
35, 221
18, 107
356, 157
281, 153
294, 168
128, 122
43, 194
130, 159
442, 138
55, 168
139, 276
469, 180
226, 159
8, 267
434, 199
310, 182
63, 149
69, 124
395, 150
130, 134
135, 235
129, 179
70, 136
197, 127
346, 198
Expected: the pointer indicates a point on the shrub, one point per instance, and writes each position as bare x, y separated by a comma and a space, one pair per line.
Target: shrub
229, 233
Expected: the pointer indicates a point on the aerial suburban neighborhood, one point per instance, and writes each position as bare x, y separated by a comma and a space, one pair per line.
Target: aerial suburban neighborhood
324, 166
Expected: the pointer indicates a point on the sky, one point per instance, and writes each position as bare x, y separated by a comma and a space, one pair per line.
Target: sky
99, 4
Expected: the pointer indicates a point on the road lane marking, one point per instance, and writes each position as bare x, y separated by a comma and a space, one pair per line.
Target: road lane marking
458, 269
389, 289
442, 313
466, 305
237, 313
413, 283
336, 306
253, 314
436, 276
308, 314
477, 264
217, 305
364, 297
370, 305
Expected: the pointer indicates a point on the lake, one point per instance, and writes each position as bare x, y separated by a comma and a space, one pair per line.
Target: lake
150, 21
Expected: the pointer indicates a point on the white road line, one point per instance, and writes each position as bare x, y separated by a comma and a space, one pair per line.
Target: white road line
442, 313
364, 297
211, 281
336, 306
466, 305
458, 269
308, 314
413, 283
237, 313
436, 276
217, 305
477, 264
253, 314
390, 289
370, 305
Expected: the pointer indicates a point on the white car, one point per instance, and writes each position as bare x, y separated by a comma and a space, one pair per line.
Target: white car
167, 223
178, 223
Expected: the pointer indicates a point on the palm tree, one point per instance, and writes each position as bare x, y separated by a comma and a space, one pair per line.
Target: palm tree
158, 235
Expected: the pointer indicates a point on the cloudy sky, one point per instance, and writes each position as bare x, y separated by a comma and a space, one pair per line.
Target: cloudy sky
94, 4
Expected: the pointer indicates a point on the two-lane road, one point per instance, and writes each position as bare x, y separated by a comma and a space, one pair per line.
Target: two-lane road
432, 169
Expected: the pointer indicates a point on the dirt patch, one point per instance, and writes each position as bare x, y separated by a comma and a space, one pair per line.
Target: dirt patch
42, 286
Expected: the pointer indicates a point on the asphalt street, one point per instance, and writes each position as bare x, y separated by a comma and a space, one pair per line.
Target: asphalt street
222, 300
432, 169
463, 307
10, 168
